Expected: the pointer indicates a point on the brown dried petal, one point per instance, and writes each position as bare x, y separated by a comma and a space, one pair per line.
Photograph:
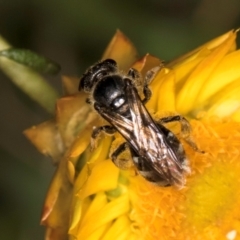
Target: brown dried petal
72, 115
56, 210
46, 139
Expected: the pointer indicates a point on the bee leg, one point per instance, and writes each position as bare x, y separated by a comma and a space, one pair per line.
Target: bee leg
152, 73
147, 94
147, 80
88, 101
133, 73
120, 162
107, 129
185, 129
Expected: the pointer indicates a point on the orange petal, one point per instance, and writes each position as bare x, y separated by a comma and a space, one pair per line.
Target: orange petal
55, 234
70, 85
146, 63
122, 50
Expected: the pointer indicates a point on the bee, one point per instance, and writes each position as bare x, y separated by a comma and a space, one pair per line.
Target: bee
156, 152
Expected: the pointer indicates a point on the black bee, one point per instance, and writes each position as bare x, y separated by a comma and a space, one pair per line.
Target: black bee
156, 152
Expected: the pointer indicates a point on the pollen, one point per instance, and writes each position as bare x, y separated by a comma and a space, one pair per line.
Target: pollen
208, 206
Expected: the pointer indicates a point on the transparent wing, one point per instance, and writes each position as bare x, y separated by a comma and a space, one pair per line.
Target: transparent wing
152, 141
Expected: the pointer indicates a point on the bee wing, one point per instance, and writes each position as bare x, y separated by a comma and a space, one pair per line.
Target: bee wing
150, 141
123, 125
140, 117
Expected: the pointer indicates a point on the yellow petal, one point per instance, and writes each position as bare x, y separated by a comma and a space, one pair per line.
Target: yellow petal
212, 44
82, 140
96, 182
70, 171
166, 93
124, 235
76, 214
97, 234
183, 69
122, 224
188, 94
162, 79
98, 202
226, 72
101, 152
109, 212
225, 102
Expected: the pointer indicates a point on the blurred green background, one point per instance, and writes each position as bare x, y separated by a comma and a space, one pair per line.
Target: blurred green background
75, 33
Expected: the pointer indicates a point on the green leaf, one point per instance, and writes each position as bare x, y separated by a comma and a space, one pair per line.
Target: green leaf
32, 60
28, 80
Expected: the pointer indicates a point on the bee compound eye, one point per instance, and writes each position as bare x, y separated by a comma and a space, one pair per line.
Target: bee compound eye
110, 61
81, 84
86, 83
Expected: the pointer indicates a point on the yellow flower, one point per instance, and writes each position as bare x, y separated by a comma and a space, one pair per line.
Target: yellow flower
90, 198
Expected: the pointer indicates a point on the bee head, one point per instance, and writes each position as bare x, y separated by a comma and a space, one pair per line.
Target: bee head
96, 73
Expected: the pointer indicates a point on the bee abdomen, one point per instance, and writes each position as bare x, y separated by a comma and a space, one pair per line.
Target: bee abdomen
149, 174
